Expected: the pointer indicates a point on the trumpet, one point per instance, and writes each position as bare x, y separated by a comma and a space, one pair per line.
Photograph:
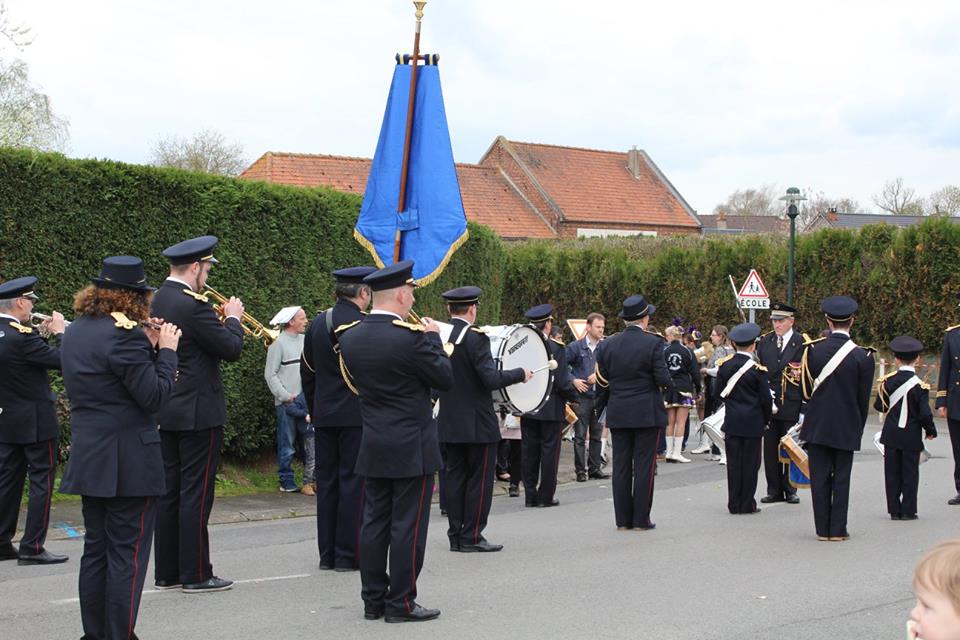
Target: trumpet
37, 319
251, 326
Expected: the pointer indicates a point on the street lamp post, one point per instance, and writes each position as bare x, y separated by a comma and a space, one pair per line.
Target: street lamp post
792, 198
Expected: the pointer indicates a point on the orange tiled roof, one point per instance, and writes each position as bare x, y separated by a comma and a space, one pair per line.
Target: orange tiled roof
596, 186
487, 197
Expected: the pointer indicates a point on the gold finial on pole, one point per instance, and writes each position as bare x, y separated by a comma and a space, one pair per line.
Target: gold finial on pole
419, 4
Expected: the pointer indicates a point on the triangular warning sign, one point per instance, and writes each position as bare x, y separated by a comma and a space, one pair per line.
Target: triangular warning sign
578, 328
753, 287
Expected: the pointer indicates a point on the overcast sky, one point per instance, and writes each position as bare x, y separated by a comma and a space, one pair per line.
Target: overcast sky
837, 96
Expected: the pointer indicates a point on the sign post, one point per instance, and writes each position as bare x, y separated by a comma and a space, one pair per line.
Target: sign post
753, 295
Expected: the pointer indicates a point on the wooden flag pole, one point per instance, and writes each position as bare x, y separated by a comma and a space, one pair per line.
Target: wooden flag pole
402, 200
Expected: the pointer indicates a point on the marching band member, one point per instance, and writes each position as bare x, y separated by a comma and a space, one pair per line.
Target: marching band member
117, 378
836, 381
28, 422
393, 365
467, 424
540, 431
779, 351
335, 411
905, 402
631, 370
682, 366
191, 423
749, 405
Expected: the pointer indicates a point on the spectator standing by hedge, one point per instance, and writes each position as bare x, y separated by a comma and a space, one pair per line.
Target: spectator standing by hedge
282, 373
581, 356
191, 422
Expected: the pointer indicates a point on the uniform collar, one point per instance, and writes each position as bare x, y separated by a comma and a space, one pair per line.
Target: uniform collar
179, 281
840, 332
9, 317
382, 312
463, 320
907, 367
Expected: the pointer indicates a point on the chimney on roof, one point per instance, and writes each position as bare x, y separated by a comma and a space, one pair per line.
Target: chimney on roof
722, 220
832, 214
633, 162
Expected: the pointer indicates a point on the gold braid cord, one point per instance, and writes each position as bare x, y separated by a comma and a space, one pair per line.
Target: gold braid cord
347, 377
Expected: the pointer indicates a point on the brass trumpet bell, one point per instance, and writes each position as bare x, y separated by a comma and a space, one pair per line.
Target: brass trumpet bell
251, 326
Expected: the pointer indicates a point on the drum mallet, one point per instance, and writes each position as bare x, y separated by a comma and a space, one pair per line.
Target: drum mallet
551, 364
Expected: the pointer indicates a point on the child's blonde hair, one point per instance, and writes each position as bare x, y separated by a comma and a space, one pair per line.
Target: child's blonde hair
939, 570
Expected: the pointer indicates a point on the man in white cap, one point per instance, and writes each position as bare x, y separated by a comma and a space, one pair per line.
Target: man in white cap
282, 373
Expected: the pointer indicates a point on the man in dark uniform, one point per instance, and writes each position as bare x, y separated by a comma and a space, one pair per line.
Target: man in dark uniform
191, 423
393, 365
117, 378
28, 422
468, 426
744, 387
540, 431
948, 398
836, 382
631, 372
335, 412
779, 351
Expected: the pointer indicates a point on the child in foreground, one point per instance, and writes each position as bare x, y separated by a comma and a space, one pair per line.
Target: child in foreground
936, 582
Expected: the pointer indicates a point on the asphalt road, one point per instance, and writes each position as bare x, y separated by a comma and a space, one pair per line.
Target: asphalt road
564, 573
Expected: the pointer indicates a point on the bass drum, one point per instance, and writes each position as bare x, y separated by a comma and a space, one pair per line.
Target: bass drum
521, 346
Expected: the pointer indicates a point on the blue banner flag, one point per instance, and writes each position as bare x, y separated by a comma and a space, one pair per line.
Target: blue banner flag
433, 225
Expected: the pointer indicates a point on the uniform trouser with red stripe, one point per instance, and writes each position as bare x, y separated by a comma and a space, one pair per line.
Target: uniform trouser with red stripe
396, 512
634, 463
116, 551
339, 495
743, 465
540, 457
469, 489
190, 461
37, 460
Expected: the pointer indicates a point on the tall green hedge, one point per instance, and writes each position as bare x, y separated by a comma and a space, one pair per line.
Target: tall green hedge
278, 244
906, 280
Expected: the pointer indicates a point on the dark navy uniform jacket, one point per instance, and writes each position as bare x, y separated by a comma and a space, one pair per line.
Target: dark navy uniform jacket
835, 415
562, 391
466, 410
27, 405
117, 383
198, 402
632, 370
331, 403
948, 385
919, 416
749, 406
393, 368
783, 373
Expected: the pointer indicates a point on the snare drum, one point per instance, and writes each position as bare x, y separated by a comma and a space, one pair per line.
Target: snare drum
712, 425
792, 444
521, 346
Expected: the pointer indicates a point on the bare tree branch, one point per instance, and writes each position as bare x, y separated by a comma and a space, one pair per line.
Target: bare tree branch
898, 199
751, 202
945, 202
206, 151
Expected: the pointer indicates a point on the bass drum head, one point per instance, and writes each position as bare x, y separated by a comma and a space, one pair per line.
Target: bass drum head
520, 346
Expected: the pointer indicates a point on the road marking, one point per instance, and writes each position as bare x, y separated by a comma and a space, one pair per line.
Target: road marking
294, 576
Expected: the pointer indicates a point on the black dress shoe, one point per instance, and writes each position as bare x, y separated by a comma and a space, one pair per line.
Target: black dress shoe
599, 475
650, 526
8, 552
454, 545
325, 567
769, 499
482, 546
530, 503
372, 612
552, 503
894, 516
345, 569
954, 500
908, 516
443, 512
793, 498
581, 476
208, 586
416, 614
44, 557
514, 491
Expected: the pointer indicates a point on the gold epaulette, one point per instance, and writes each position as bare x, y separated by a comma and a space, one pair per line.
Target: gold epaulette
122, 321
764, 335
22, 329
870, 350
409, 325
723, 359
949, 329
925, 385
760, 367
559, 342
655, 333
808, 340
477, 329
199, 297
344, 327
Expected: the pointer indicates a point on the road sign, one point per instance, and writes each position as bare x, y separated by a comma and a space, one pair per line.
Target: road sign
753, 303
753, 287
578, 328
